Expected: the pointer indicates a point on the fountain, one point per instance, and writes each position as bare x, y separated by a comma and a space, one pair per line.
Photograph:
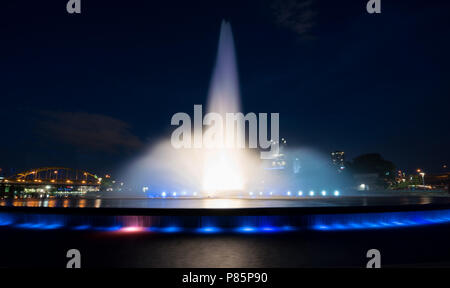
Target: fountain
222, 170
219, 170
211, 171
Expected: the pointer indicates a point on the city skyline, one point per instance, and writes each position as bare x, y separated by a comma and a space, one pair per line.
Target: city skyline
98, 104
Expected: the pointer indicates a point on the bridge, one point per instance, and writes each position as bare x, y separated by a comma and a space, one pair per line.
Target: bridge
53, 176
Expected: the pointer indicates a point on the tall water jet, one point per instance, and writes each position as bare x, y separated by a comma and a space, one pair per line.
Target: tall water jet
223, 170
223, 166
224, 89
166, 170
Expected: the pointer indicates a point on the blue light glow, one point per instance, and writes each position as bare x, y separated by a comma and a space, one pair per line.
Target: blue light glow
209, 229
379, 220
223, 224
53, 226
42, 226
82, 227
5, 220
246, 229
171, 229
268, 229
288, 228
108, 229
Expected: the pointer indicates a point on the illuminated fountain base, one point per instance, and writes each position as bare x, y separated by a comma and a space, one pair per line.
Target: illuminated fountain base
229, 194
219, 220
225, 215
232, 194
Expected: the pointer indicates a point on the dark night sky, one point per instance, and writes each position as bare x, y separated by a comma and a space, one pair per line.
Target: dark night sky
92, 90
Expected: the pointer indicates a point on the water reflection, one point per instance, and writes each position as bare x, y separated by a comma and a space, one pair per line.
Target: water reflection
81, 203
214, 203
33, 203
66, 203
53, 203
222, 203
425, 200
18, 203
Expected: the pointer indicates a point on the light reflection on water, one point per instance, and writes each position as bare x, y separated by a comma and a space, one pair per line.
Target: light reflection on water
66, 203
215, 203
222, 203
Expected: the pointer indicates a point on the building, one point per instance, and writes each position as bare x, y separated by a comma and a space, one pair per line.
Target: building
338, 159
279, 160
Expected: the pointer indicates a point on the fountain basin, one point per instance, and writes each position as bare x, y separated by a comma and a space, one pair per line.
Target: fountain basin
241, 216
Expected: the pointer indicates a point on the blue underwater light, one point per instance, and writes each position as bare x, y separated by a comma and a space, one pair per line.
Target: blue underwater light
209, 230
170, 229
227, 224
379, 220
82, 227
42, 226
246, 229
